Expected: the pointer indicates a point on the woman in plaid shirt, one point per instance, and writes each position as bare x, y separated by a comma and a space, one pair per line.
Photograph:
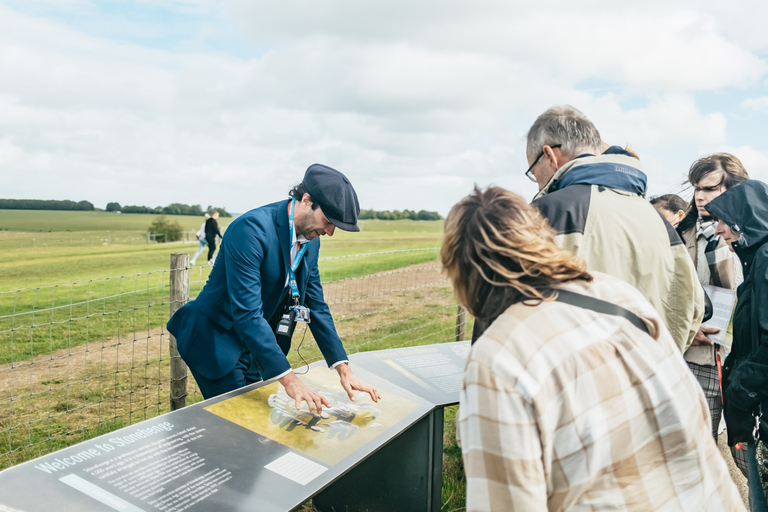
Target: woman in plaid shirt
570, 405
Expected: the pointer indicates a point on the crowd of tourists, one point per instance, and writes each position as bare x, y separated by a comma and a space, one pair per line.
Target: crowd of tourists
592, 383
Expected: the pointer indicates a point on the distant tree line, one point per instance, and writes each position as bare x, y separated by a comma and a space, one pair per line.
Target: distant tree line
397, 215
171, 209
43, 204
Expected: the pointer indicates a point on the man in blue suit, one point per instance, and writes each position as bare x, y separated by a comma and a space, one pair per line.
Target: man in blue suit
238, 329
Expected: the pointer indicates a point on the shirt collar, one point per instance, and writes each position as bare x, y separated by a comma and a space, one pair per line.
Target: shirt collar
300, 239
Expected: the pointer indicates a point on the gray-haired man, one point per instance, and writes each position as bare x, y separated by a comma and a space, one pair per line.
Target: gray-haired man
596, 203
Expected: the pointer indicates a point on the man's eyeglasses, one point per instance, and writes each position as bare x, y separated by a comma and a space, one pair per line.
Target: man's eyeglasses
528, 173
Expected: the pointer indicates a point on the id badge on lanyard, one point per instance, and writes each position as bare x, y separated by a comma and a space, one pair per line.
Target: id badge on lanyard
298, 312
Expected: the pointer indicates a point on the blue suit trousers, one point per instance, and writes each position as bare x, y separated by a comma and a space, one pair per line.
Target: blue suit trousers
244, 373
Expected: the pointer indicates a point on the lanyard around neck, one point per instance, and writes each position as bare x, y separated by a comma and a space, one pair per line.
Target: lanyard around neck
297, 259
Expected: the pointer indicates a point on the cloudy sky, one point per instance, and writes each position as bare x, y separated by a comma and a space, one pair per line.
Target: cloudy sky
227, 102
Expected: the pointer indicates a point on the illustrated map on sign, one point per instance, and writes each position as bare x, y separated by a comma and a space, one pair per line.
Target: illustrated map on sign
330, 437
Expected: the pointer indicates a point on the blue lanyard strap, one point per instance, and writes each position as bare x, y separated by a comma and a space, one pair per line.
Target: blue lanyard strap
297, 259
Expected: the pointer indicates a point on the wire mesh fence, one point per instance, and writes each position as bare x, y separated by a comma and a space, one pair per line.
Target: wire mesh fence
82, 359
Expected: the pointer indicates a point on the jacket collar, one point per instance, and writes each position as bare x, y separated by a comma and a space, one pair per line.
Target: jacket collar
612, 169
283, 232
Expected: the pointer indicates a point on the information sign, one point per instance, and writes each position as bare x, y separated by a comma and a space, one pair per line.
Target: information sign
246, 450
433, 372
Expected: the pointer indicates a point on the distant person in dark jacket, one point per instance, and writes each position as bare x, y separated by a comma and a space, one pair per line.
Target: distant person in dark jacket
211, 230
203, 242
742, 213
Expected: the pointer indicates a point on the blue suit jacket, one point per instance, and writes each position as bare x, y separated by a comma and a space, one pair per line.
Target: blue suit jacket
245, 288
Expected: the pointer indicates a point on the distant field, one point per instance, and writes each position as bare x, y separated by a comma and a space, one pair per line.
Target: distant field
43, 221
16, 222
80, 281
26, 261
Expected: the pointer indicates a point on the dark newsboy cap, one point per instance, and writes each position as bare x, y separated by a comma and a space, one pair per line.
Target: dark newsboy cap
335, 195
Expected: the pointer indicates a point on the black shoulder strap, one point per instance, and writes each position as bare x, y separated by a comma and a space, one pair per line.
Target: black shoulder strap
600, 306
755, 322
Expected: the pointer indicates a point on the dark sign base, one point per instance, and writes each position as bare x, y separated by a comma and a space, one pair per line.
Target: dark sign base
404, 475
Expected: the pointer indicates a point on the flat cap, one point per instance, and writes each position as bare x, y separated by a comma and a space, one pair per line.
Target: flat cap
334, 193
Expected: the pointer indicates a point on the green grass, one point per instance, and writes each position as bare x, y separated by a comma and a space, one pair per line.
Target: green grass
60, 297
454, 496
44, 221
36, 229
42, 266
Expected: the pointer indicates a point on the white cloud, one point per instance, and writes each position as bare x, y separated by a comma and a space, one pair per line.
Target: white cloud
754, 160
415, 101
759, 104
659, 47
667, 120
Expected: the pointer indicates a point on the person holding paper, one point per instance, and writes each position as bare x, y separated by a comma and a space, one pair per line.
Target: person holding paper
715, 265
742, 214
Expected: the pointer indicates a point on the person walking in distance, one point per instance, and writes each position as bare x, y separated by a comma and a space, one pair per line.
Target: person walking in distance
211, 230
202, 241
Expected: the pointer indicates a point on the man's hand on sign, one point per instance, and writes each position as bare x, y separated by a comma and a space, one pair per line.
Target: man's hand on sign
300, 392
350, 382
701, 336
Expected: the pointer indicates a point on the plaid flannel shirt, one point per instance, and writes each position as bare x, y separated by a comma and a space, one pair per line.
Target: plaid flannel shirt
563, 408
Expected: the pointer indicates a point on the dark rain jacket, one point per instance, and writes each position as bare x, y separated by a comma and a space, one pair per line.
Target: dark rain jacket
597, 207
744, 208
212, 229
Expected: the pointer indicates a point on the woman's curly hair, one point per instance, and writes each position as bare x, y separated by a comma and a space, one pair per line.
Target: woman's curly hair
498, 250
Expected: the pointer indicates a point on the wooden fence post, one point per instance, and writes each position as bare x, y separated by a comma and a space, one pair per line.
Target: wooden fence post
179, 297
461, 324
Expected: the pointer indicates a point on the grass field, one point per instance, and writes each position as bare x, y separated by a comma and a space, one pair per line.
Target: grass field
45, 221
82, 348
28, 266
67, 287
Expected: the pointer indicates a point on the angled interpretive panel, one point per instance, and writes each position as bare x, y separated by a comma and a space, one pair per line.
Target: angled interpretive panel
432, 372
246, 450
